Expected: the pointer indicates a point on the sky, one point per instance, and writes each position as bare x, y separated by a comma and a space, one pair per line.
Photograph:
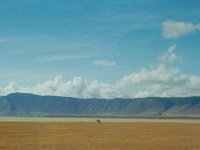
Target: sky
100, 48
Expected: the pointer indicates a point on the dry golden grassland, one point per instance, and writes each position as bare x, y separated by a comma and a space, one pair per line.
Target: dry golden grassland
105, 136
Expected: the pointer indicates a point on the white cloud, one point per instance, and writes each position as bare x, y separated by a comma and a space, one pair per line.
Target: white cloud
174, 29
78, 87
156, 81
147, 82
9, 89
170, 56
104, 63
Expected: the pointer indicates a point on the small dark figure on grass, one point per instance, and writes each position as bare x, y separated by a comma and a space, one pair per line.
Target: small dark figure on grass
98, 121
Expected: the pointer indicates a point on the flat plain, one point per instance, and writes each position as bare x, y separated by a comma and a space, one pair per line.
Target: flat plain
94, 136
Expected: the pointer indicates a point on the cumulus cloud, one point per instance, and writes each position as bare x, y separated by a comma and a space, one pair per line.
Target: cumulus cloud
104, 63
156, 81
77, 87
174, 29
170, 56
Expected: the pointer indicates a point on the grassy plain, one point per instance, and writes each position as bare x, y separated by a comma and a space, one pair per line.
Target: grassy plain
104, 136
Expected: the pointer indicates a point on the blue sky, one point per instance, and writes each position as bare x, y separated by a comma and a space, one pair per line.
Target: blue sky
101, 40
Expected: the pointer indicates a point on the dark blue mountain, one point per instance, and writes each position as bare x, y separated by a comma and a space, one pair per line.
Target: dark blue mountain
22, 104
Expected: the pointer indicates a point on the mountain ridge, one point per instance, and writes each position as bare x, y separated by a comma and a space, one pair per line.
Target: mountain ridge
26, 104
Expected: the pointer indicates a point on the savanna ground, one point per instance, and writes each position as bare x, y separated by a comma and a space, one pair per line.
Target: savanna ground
104, 136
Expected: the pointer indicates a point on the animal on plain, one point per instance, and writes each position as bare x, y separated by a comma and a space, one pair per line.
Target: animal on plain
98, 121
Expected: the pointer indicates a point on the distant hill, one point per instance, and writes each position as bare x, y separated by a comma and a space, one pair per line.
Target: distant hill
21, 104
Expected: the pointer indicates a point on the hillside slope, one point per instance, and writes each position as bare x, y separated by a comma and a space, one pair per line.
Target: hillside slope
21, 104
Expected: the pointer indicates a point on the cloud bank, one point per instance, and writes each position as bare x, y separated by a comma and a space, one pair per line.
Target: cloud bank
174, 29
156, 81
159, 80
